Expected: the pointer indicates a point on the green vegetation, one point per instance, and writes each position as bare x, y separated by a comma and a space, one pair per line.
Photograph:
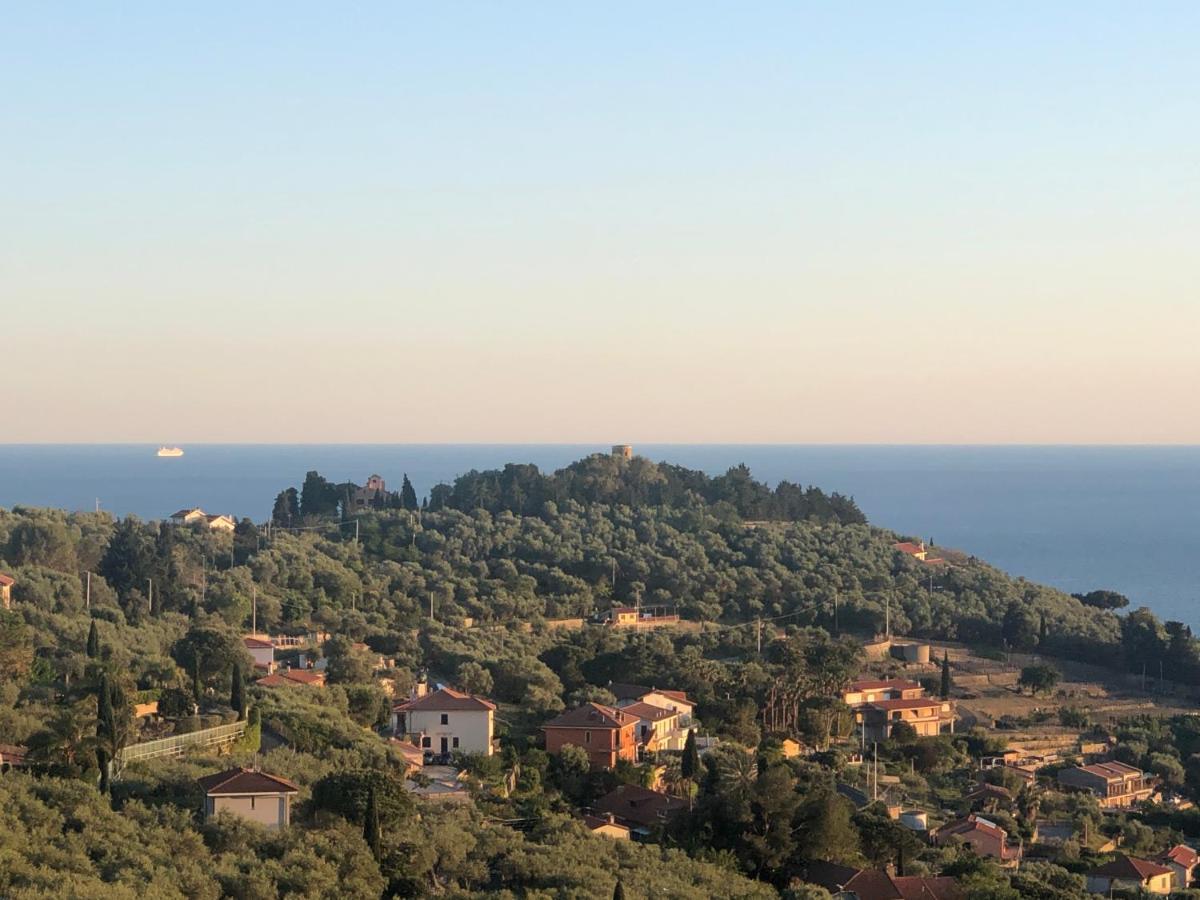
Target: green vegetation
465, 588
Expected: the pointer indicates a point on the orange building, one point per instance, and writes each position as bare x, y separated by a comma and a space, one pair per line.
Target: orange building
606, 733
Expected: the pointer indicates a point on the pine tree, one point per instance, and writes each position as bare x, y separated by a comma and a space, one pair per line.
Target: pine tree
408, 495
93, 642
237, 694
371, 825
945, 691
690, 764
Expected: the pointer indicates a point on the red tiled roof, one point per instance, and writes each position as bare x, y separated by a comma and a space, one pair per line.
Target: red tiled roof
592, 715
7, 580
246, 781
909, 547
895, 684
445, 700
292, 676
1183, 855
257, 643
594, 822
648, 711
873, 884
639, 805
1130, 867
1111, 770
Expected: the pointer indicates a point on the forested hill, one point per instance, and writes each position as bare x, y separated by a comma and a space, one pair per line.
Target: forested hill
599, 478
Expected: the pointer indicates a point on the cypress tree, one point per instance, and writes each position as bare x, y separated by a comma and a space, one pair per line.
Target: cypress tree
945, 691
237, 694
690, 764
619, 891
106, 727
93, 642
371, 825
408, 495
1042, 630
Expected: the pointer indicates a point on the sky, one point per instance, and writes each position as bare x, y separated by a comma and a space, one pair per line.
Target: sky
669, 222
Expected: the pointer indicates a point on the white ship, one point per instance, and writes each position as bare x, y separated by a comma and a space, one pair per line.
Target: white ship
169, 451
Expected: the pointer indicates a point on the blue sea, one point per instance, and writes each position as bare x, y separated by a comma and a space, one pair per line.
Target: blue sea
1079, 518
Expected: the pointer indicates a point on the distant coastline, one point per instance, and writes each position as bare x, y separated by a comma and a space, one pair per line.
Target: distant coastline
1075, 517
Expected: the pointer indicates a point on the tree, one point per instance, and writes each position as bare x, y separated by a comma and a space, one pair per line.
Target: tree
286, 512
93, 642
689, 766
371, 824
237, 692
944, 691
618, 891
1103, 599
475, 679
408, 495
16, 648
318, 497
1039, 678
829, 833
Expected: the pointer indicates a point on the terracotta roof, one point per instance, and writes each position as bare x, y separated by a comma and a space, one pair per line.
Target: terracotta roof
13, 754
1130, 867
873, 884
592, 715
445, 700
915, 703
246, 781
1111, 771
639, 805
628, 691
648, 711
895, 684
292, 676
972, 823
257, 643
1183, 855
179, 514
594, 822
7, 580
909, 547
681, 696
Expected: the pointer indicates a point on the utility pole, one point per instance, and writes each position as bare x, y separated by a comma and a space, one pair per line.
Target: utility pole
150, 594
875, 773
356, 530
758, 629
887, 628
431, 604
97, 504
614, 574
836, 629
87, 597
253, 609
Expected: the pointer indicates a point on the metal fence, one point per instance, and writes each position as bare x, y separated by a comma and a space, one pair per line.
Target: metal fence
176, 744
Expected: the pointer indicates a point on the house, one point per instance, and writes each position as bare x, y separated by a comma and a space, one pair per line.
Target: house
262, 651
6, 583
287, 677
639, 809
196, 516
990, 796
607, 826
257, 796
916, 551
655, 725
607, 734
12, 756
1116, 784
640, 617
676, 701
414, 756
986, 837
875, 884
445, 720
1182, 861
860, 693
1130, 873
373, 495
927, 717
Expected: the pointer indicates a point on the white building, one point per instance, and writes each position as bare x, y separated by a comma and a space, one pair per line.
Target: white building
262, 651
446, 720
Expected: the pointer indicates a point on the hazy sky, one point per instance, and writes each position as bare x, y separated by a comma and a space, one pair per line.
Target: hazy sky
888, 222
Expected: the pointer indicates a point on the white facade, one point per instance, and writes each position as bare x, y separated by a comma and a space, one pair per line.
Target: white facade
444, 731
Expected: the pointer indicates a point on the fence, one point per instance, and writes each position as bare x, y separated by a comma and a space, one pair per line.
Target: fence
177, 743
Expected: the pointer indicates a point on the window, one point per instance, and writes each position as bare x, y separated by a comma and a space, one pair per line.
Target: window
587, 737
427, 742
455, 743
445, 718
252, 803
